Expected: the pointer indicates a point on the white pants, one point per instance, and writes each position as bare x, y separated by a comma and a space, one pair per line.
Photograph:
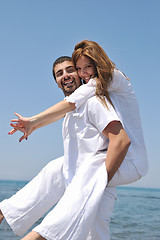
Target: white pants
69, 218
127, 173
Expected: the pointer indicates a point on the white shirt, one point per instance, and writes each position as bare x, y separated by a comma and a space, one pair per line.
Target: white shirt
82, 134
126, 106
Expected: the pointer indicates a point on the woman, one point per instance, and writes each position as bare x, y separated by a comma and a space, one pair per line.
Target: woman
91, 61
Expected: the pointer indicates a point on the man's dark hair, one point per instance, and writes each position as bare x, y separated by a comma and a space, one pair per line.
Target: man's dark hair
60, 60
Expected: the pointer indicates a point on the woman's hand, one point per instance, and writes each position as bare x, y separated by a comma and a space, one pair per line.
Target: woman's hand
22, 124
50, 115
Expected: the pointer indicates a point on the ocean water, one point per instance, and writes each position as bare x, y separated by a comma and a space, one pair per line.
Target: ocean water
136, 215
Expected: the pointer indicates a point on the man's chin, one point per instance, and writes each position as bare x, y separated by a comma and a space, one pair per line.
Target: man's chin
68, 91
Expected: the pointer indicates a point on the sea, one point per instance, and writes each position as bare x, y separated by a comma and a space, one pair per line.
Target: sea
136, 214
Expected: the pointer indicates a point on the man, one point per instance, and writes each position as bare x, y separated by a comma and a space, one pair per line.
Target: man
77, 181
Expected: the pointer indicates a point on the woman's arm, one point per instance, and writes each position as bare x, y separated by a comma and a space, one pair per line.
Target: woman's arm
83, 93
52, 114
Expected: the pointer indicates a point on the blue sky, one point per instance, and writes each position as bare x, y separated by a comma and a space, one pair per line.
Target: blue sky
35, 33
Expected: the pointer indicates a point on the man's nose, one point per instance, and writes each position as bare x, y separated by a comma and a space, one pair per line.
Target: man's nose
65, 75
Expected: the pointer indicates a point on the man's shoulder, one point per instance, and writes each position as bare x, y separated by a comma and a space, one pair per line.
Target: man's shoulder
94, 100
94, 104
90, 105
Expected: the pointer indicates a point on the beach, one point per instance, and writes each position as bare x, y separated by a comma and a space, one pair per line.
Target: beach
136, 215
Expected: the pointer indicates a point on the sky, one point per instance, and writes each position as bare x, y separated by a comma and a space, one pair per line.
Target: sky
34, 33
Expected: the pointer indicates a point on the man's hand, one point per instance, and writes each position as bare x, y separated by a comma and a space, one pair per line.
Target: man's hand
1, 216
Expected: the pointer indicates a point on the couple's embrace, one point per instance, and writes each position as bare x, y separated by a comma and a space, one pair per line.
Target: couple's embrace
103, 148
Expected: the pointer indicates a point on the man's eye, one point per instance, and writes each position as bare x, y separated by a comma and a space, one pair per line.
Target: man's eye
59, 74
70, 71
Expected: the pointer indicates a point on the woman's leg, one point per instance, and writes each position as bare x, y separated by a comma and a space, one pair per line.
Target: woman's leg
29, 204
127, 173
100, 227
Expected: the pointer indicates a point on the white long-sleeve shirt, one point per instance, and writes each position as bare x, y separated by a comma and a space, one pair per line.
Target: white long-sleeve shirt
126, 106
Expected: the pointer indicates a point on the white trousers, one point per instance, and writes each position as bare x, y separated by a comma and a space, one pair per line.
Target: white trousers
84, 208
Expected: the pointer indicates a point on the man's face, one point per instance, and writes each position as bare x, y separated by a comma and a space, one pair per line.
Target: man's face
67, 77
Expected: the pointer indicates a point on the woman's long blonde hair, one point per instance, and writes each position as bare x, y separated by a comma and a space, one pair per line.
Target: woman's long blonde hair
103, 64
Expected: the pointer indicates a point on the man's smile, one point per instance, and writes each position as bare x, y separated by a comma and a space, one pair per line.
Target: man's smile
68, 82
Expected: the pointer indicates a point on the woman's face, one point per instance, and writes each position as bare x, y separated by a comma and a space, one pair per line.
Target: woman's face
86, 68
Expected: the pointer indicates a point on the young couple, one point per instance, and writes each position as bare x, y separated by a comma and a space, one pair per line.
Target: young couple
103, 148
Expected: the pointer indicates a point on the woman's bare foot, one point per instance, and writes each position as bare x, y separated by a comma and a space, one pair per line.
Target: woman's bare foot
1, 216
34, 236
